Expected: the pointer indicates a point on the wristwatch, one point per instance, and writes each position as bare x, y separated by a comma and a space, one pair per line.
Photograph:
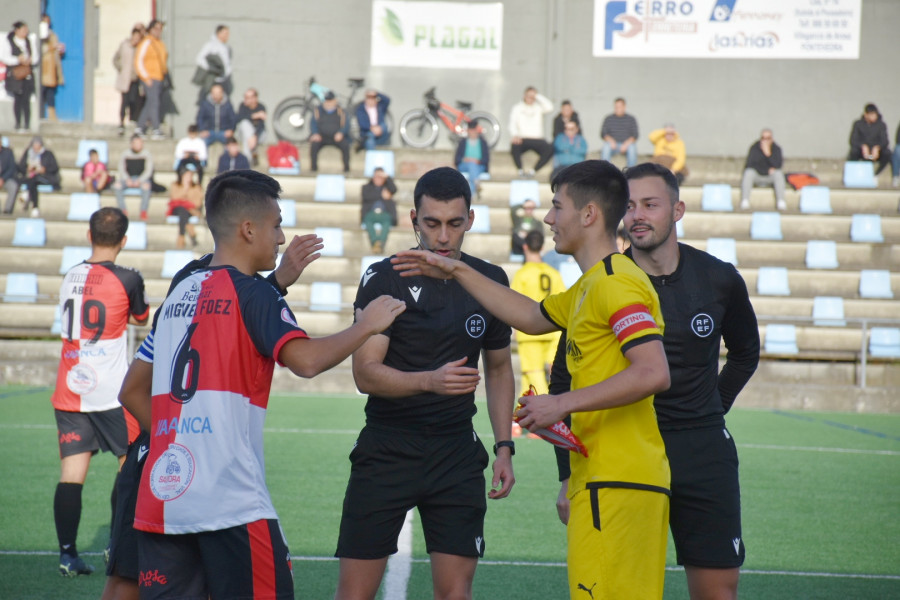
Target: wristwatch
506, 444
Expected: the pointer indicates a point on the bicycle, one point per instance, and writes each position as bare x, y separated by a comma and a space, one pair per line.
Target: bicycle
419, 127
293, 114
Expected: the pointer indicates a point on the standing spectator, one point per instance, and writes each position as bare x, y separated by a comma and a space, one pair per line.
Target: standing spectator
185, 201
9, 171
91, 369
378, 211
526, 129
191, 150
214, 63
869, 139
329, 127
20, 59
127, 82
566, 115
620, 133
216, 119
473, 156
251, 125
668, 151
232, 158
94, 174
569, 147
38, 166
763, 167
896, 160
150, 62
135, 172
51, 67
370, 115
524, 222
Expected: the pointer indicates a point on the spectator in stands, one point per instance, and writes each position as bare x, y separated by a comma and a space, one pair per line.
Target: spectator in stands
869, 139
232, 159
8, 175
127, 82
251, 125
38, 166
473, 156
370, 114
135, 172
191, 150
378, 211
185, 201
150, 62
569, 147
669, 151
94, 174
620, 133
329, 126
20, 59
214, 64
896, 159
763, 167
524, 222
566, 114
51, 67
526, 129
216, 119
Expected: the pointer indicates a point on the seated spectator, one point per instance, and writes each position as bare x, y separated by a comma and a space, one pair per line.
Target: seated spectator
473, 156
370, 114
524, 221
378, 211
232, 159
566, 114
251, 125
329, 127
668, 151
37, 166
135, 172
191, 150
896, 160
216, 119
526, 130
869, 139
569, 147
763, 167
620, 133
8, 175
94, 174
185, 201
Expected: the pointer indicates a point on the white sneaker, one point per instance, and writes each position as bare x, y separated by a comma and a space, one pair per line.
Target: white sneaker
35, 212
895, 181
157, 135
745, 204
781, 205
521, 172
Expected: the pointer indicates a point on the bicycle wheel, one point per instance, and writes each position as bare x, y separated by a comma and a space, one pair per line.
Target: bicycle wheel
418, 128
291, 119
490, 126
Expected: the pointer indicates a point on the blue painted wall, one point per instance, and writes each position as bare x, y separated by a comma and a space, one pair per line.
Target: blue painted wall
67, 20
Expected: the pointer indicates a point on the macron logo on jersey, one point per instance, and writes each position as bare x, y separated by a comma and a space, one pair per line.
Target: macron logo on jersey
415, 291
630, 320
367, 276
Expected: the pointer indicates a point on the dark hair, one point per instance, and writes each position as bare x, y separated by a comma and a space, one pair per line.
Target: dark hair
599, 182
219, 28
233, 195
17, 25
649, 169
93, 151
530, 88
443, 183
231, 140
192, 128
619, 99
108, 226
154, 23
137, 30
871, 108
534, 240
565, 103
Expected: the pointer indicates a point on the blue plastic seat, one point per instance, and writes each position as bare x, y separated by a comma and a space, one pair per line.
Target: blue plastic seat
325, 296
781, 339
333, 240
725, 249
21, 287
866, 228
821, 254
828, 311
73, 255
875, 283
56, 327
379, 158
30, 232
482, 222
717, 197
859, 174
815, 199
173, 261
85, 147
765, 226
137, 235
521, 190
772, 281
45, 188
288, 213
82, 205
330, 188
884, 342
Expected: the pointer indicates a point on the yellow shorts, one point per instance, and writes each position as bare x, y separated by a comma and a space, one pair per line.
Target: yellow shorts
534, 357
617, 543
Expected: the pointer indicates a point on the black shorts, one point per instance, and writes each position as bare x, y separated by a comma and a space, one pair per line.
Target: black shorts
705, 507
393, 471
123, 545
92, 431
247, 561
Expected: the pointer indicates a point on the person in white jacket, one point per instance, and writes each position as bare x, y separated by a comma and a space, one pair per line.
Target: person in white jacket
526, 129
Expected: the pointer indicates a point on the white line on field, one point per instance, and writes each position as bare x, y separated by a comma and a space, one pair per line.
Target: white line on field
399, 565
818, 449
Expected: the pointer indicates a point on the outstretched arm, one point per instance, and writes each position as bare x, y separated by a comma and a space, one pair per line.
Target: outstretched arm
500, 388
